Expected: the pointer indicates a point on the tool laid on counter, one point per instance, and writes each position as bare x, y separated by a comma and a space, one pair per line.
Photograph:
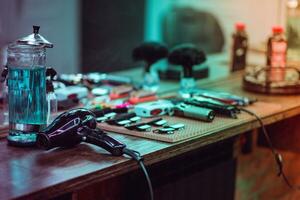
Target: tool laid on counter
121, 91
224, 97
94, 78
142, 126
100, 91
195, 112
158, 122
142, 96
71, 92
155, 108
169, 129
108, 113
102, 78
146, 125
79, 125
103, 111
123, 119
165, 129
70, 96
132, 122
70, 79
218, 107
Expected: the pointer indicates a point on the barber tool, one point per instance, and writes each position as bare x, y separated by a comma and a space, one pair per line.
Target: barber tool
135, 119
170, 129
26, 78
79, 125
224, 97
155, 108
142, 96
106, 117
121, 119
73, 127
70, 79
119, 92
104, 111
217, 106
176, 127
70, 92
100, 78
146, 125
187, 56
100, 91
150, 53
167, 131
195, 112
123, 105
158, 122
139, 127
99, 101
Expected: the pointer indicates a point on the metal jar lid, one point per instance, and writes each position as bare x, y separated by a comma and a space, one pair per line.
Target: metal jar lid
35, 39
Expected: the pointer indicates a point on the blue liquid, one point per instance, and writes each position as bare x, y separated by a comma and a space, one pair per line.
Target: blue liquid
27, 100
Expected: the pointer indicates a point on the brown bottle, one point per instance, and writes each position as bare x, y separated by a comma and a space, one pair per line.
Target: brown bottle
239, 47
276, 55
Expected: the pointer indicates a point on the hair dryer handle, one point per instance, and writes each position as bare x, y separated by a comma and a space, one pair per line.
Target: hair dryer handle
99, 138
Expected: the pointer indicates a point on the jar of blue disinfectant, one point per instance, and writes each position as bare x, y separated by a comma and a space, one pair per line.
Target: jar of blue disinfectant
26, 81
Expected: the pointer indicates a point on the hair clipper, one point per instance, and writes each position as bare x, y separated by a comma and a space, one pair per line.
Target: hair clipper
218, 107
195, 112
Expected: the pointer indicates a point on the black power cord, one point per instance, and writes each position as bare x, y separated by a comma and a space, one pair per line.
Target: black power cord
277, 156
137, 157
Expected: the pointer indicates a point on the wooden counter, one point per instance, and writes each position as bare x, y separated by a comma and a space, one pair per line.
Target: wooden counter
36, 174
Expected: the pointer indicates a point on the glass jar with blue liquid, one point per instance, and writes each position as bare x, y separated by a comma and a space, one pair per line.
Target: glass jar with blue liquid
26, 80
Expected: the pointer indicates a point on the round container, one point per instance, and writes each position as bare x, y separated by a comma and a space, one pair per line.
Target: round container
26, 92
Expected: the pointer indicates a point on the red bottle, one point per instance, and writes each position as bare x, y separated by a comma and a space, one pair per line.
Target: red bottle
276, 54
239, 47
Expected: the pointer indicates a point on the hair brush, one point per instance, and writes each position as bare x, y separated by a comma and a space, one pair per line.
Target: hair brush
150, 52
187, 56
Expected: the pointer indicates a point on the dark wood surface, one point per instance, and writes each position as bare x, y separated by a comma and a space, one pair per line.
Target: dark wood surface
205, 173
37, 174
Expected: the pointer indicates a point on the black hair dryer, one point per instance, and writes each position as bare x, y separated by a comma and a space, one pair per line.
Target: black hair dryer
75, 126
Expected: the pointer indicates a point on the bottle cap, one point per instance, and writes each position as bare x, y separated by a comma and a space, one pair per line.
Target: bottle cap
239, 26
277, 29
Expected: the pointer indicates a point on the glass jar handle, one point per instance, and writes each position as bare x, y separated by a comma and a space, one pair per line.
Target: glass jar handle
3, 75
51, 72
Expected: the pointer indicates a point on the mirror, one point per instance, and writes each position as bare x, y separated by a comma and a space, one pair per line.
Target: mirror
99, 35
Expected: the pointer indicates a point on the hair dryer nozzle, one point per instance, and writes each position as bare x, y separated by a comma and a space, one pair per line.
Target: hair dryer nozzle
42, 141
